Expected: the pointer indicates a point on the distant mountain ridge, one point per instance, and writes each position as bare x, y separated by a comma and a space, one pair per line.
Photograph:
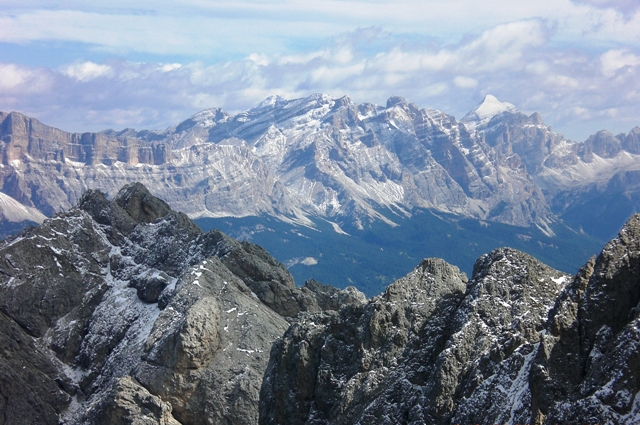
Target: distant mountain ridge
333, 159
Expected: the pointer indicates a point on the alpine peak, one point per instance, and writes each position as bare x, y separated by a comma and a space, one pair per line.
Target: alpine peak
271, 101
487, 109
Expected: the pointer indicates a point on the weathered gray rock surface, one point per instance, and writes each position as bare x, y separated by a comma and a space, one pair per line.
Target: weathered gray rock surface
125, 312
587, 367
517, 343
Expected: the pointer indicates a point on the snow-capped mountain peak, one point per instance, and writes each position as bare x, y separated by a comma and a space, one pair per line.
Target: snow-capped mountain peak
209, 117
485, 111
491, 107
271, 101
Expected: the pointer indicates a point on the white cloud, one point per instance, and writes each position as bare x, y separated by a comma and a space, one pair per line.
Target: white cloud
197, 34
501, 47
614, 60
465, 82
21, 80
580, 112
504, 45
12, 76
202, 29
288, 59
539, 67
122, 118
171, 67
309, 261
332, 76
436, 89
85, 71
626, 7
561, 81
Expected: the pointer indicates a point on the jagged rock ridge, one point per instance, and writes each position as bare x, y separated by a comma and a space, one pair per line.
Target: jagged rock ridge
331, 158
517, 343
315, 156
119, 310
594, 185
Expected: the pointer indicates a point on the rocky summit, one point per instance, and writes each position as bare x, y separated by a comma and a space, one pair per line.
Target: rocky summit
122, 311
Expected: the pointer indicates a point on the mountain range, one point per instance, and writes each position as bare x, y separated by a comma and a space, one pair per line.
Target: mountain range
316, 162
123, 311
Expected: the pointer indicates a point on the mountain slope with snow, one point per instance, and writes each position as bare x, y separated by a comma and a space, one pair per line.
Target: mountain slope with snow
332, 159
13, 211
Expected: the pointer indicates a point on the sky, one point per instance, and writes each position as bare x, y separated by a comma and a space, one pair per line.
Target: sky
89, 66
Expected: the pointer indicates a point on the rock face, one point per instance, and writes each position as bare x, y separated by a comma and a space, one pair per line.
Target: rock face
588, 365
594, 185
419, 352
125, 312
330, 366
517, 343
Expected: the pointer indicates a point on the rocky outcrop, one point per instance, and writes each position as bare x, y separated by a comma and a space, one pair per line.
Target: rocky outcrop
132, 404
419, 351
587, 367
517, 343
330, 366
31, 384
124, 311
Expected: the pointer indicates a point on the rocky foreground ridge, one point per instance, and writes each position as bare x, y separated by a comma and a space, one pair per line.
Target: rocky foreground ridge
122, 311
